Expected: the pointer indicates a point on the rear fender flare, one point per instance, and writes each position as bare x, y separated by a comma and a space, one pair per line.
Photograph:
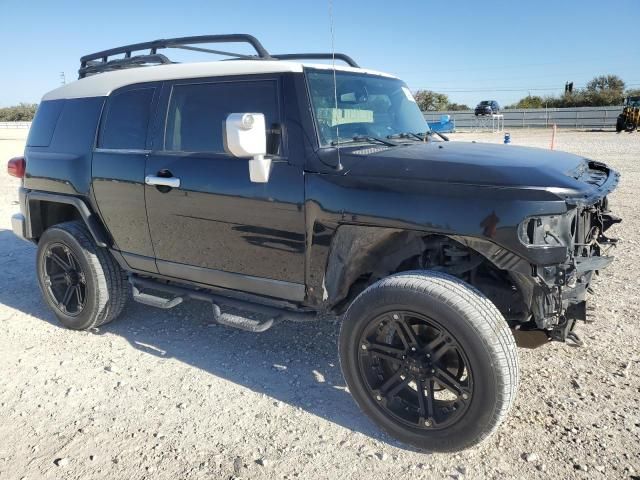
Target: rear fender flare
32, 202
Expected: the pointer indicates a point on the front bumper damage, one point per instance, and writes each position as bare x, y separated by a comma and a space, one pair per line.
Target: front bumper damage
559, 297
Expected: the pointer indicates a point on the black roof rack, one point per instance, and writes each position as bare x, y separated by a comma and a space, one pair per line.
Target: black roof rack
318, 56
99, 62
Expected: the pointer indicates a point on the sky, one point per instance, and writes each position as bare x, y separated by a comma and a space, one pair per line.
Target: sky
469, 49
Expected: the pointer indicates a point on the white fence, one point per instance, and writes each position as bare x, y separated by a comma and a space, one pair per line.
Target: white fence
26, 125
581, 117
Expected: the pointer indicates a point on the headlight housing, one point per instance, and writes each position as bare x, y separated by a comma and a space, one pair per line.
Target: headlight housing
546, 231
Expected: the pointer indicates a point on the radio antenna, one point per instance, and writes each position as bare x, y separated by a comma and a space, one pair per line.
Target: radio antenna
335, 84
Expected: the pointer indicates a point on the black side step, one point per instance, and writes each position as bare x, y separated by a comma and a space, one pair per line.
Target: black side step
180, 293
243, 323
153, 301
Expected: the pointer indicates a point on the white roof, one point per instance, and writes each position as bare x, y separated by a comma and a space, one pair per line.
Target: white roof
103, 84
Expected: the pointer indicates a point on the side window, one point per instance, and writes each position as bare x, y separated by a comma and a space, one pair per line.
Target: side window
44, 123
197, 113
127, 120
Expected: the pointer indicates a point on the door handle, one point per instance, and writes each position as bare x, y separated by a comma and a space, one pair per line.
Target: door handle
171, 182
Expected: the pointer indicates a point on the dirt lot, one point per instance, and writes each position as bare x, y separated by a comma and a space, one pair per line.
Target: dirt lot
169, 395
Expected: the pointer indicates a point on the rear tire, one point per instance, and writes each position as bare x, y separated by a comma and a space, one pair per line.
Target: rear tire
462, 360
80, 282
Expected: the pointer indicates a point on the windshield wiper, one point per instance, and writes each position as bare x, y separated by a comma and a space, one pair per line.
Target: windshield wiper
431, 133
364, 138
406, 135
419, 136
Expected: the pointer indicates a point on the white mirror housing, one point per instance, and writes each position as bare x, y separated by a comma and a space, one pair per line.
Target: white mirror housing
246, 137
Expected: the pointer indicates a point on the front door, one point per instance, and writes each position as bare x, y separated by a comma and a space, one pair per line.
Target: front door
217, 227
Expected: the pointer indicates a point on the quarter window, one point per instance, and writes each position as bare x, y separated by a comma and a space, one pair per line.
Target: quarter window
127, 120
197, 113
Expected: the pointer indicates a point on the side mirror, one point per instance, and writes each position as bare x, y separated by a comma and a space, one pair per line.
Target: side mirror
246, 137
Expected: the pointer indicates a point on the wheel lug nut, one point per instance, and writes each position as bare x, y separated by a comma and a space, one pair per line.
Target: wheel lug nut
378, 397
413, 349
428, 355
364, 347
433, 371
465, 396
395, 317
427, 423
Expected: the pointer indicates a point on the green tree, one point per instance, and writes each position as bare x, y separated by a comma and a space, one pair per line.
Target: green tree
632, 92
431, 101
456, 107
603, 90
19, 113
606, 84
530, 101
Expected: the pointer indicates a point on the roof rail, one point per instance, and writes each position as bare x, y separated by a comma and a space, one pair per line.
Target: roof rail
99, 62
318, 56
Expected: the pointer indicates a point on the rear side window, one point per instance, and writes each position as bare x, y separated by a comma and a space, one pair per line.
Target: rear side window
44, 123
126, 120
197, 112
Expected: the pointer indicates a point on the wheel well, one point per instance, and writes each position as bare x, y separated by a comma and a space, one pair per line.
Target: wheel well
44, 214
364, 255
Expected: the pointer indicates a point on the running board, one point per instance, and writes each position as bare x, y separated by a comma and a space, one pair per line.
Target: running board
153, 301
275, 315
243, 323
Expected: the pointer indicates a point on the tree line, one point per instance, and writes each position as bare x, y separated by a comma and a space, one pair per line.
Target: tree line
601, 91
23, 112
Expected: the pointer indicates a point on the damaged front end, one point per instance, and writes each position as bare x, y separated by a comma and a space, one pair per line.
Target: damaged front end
558, 295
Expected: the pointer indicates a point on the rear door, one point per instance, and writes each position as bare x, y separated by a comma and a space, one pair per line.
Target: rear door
217, 227
118, 168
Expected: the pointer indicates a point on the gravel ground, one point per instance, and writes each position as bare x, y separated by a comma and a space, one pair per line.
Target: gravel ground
169, 395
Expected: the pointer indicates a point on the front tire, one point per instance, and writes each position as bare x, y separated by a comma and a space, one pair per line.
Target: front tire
430, 360
80, 282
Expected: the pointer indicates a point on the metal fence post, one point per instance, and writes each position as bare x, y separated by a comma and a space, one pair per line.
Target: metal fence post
546, 117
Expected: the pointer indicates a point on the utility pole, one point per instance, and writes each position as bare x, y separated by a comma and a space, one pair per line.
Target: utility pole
63, 78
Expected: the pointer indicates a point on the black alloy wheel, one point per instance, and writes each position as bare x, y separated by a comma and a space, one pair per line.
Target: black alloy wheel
81, 282
64, 278
415, 370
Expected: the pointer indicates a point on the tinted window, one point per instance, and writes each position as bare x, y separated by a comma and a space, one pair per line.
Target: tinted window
127, 120
197, 112
44, 123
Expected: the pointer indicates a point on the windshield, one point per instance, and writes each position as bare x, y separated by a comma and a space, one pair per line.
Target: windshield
367, 106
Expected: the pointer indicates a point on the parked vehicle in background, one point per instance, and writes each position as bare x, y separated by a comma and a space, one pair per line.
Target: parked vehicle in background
629, 119
286, 190
487, 107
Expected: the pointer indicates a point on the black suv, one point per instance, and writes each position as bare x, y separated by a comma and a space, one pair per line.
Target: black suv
286, 190
487, 107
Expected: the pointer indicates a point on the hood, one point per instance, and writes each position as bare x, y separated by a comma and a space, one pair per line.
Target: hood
481, 164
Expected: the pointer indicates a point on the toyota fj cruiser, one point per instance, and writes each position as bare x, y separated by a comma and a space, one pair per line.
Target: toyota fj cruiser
286, 189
